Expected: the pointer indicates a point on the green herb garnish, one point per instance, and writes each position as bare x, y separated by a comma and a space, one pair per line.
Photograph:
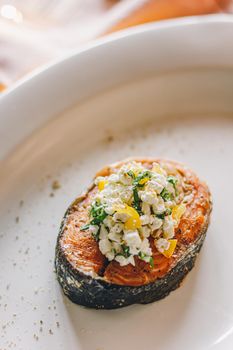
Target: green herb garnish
152, 264
131, 174
98, 214
136, 185
96, 235
142, 256
125, 251
173, 181
85, 227
141, 177
168, 211
167, 196
136, 200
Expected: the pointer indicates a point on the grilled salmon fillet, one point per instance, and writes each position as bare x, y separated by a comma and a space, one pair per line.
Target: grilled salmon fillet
89, 279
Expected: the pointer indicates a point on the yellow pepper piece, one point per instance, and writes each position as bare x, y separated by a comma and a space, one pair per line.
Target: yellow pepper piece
169, 252
157, 169
178, 211
143, 181
134, 221
101, 185
136, 172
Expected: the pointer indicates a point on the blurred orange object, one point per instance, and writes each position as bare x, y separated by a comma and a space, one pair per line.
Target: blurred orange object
2, 87
154, 10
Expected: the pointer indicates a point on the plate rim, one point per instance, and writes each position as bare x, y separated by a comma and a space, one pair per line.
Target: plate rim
217, 19
39, 96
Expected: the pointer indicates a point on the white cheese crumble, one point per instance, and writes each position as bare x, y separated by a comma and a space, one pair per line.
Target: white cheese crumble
162, 245
132, 205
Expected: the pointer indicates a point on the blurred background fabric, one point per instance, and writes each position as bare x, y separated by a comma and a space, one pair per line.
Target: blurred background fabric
34, 32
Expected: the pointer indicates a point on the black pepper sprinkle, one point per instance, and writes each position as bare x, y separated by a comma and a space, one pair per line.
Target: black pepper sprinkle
36, 337
55, 185
110, 139
26, 251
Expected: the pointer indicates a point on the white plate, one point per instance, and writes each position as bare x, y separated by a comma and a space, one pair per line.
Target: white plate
160, 90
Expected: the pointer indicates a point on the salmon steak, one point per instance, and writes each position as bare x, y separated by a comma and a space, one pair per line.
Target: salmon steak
134, 235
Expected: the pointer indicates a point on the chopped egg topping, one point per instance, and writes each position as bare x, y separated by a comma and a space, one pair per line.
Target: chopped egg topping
130, 206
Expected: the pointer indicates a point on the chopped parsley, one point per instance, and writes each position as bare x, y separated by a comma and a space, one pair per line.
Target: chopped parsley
166, 195
136, 200
141, 255
151, 262
96, 235
139, 178
131, 174
136, 185
125, 251
168, 211
85, 227
98, 214
144, 257
173, 181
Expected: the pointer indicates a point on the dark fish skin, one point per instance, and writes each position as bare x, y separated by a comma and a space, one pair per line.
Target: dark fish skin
96, 292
